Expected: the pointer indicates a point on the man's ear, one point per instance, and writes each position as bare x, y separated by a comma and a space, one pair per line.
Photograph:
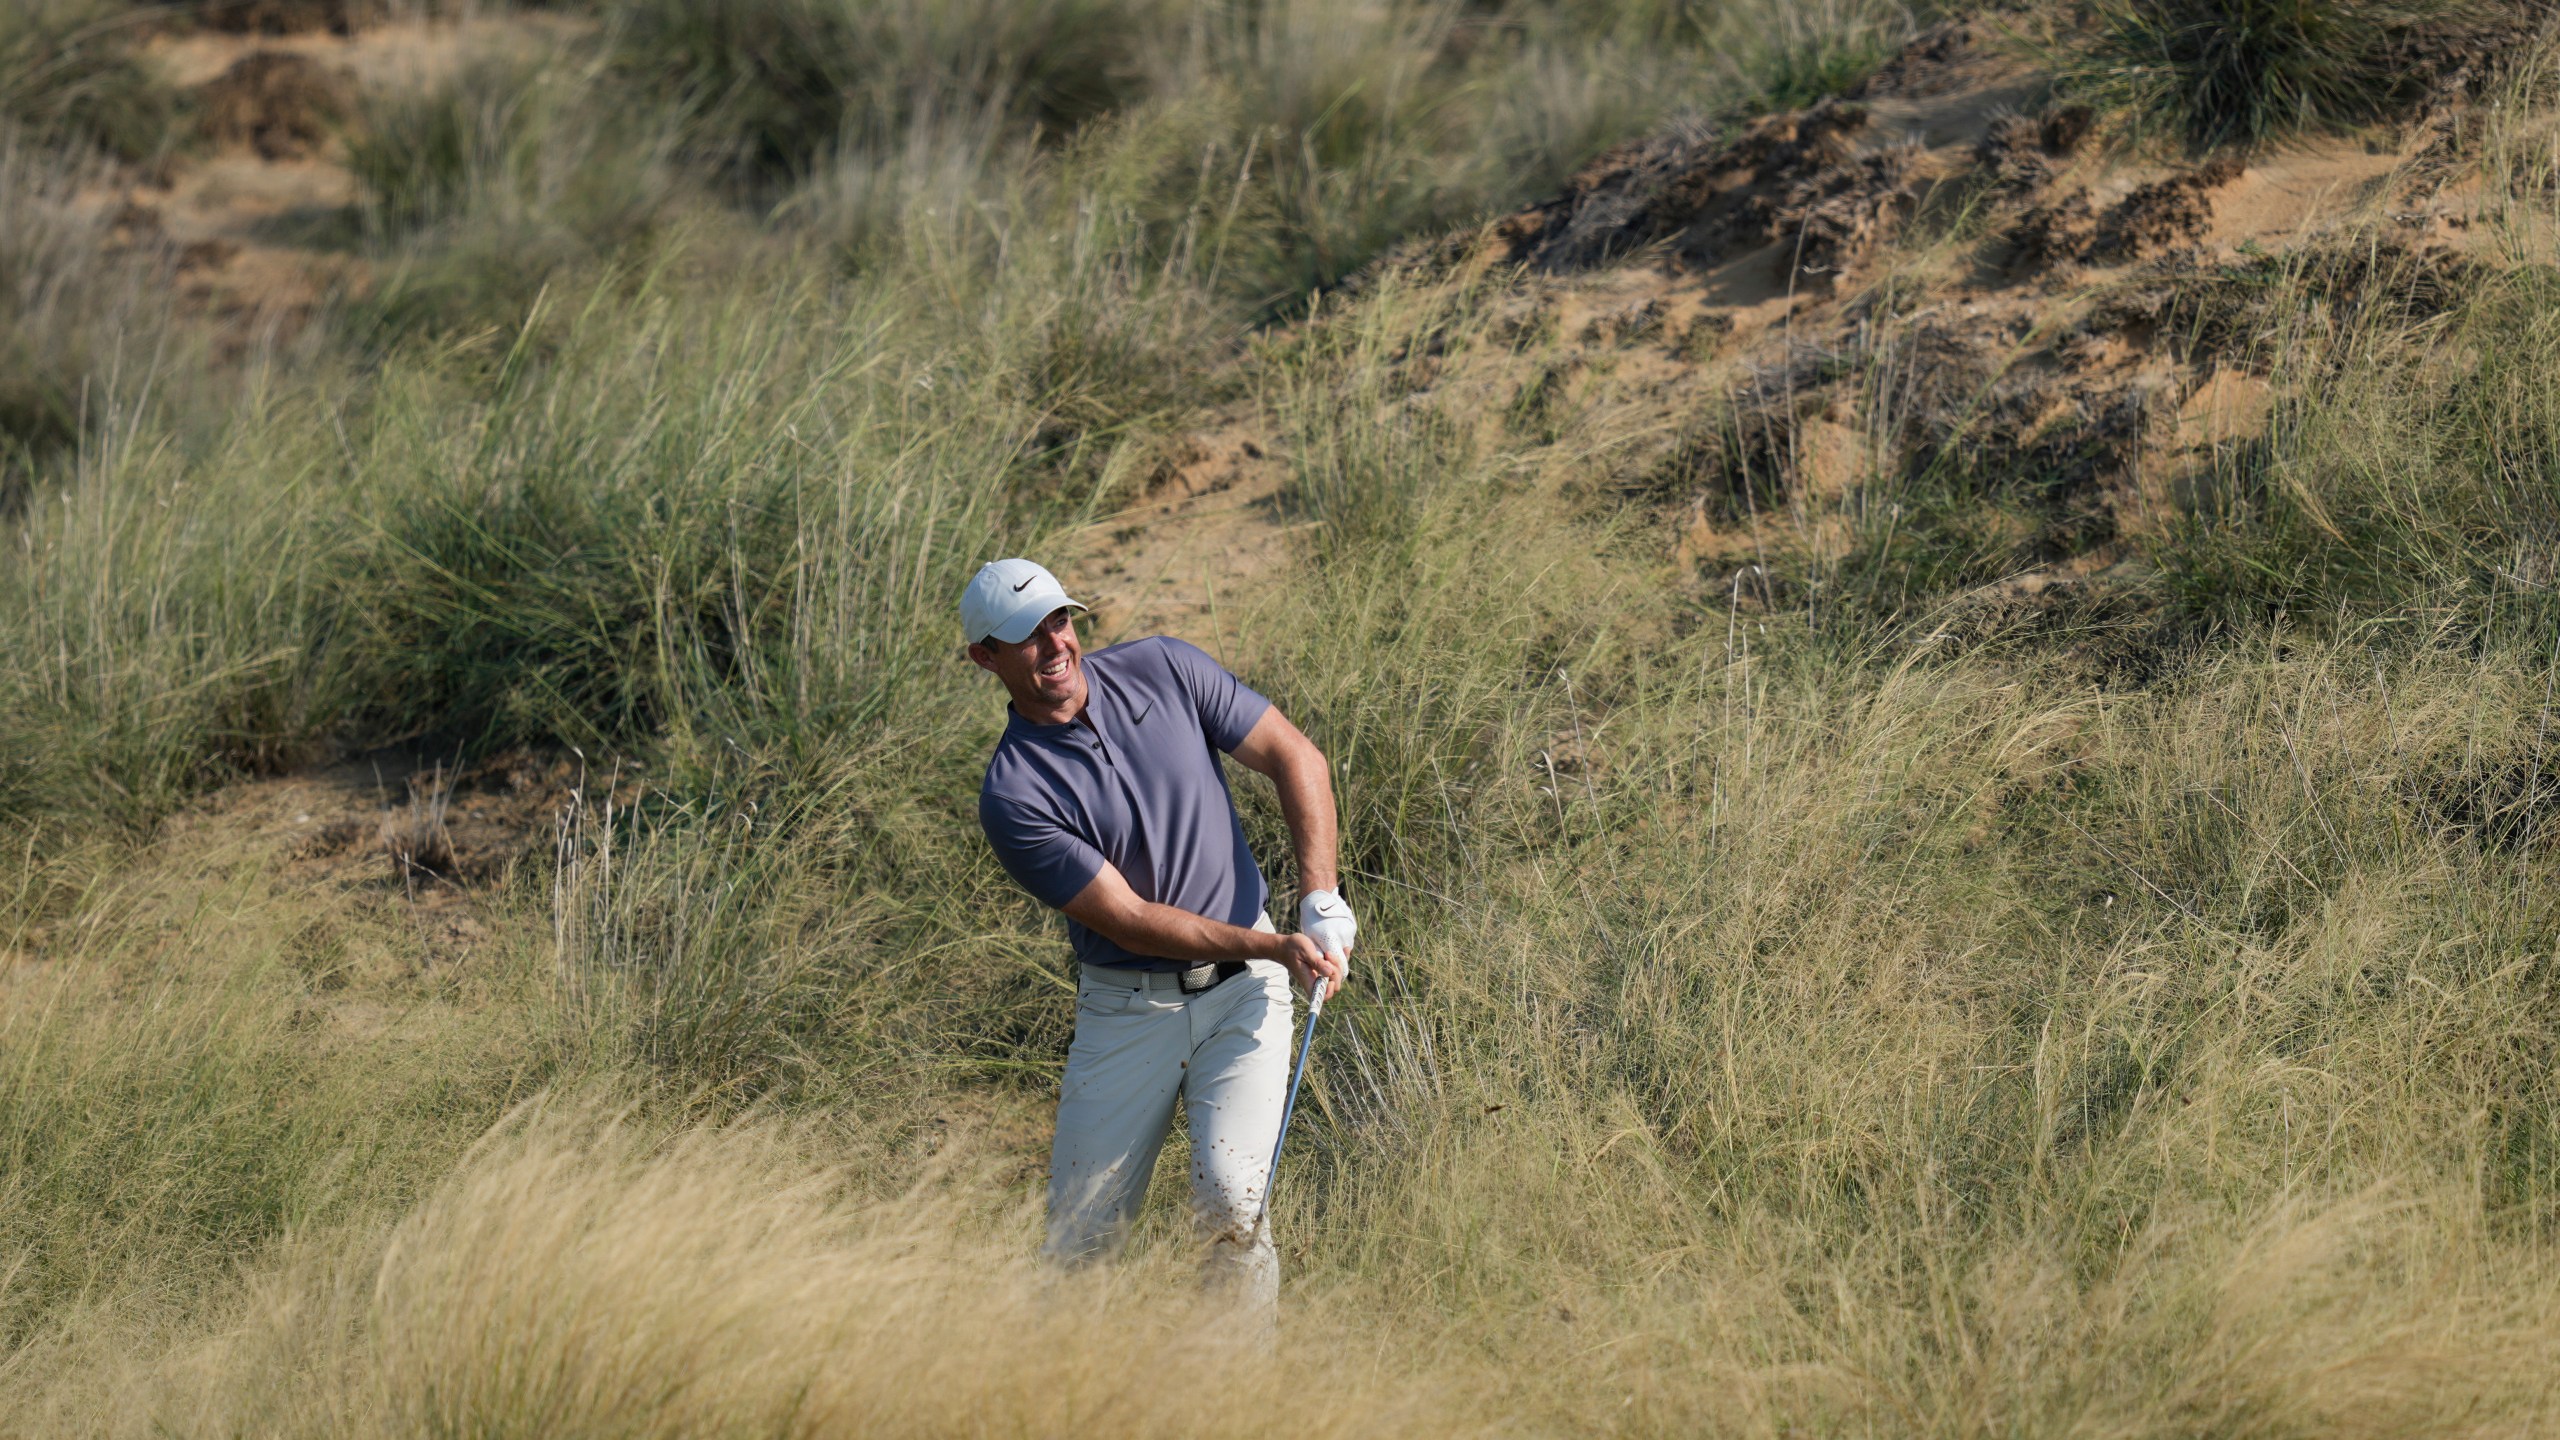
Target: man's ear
980, 656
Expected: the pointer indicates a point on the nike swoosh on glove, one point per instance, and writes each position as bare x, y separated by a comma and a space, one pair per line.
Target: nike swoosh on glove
1325, 919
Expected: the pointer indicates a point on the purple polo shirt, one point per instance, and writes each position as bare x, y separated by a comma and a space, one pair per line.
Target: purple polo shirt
1135, 781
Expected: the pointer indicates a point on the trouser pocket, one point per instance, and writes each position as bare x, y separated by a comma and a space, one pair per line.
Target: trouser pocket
1102, 998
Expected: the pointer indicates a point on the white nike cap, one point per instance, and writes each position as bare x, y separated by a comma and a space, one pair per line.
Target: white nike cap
1008, 599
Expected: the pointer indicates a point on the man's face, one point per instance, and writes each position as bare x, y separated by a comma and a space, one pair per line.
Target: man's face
1045, 672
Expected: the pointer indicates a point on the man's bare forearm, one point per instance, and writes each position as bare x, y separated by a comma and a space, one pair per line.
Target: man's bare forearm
1109, 908
1167, 933
1304, 780
1306, 804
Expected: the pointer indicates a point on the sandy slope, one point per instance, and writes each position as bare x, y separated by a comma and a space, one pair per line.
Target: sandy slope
256, 208
1977, 263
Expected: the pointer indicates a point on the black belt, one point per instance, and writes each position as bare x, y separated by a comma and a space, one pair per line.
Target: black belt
1209, 975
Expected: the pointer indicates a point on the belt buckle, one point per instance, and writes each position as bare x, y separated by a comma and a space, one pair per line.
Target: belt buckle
1198, 977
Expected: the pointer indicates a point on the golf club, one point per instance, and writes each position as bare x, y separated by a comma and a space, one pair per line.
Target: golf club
1306, 1047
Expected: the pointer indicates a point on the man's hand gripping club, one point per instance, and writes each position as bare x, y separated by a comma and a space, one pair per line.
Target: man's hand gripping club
1326, 919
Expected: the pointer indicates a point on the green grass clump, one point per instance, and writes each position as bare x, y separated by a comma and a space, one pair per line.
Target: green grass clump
2224, 71
515, 173
780, 83
1820, 49
56, 292
2386, 486
68, 72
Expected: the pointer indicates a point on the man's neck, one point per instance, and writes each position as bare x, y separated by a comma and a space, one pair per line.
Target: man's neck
1058, 714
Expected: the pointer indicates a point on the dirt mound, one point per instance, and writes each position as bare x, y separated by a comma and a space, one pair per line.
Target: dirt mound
2165, 212
1819, 188
2245, 314
433, 825
2016, 153
1800, 178
1963, 404
276, 17
282, 105
1609, 207
1207, 520
2158, 216
2052, 374
1937, 61
2011, 156
2459, 55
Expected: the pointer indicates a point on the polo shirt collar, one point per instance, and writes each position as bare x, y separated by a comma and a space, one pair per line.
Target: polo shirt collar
1015, 723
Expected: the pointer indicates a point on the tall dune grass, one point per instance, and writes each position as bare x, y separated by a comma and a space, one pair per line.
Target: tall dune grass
1319, 133
81, 325
192, 1075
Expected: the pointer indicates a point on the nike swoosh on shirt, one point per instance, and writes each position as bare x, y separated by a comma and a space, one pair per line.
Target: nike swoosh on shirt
1143, 714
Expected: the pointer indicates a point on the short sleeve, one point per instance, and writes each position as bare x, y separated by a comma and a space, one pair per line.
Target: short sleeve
1042, 856
1228, 708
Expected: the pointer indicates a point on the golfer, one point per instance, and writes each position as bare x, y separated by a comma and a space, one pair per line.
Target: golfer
1105, 799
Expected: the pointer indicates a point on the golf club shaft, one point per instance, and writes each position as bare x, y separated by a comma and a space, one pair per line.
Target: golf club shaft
1297, 1077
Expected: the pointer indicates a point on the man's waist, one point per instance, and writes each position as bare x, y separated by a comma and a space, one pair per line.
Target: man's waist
1191, 978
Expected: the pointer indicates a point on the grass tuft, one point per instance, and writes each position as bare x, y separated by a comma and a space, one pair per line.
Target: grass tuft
783, 82
2219, 72
516, 173
69, 72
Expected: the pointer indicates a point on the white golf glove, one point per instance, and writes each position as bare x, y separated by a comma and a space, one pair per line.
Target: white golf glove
1325, 919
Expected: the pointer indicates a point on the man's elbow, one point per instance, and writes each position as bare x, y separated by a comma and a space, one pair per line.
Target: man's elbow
1116, 923
1111, 934
1107, 910
1306, 761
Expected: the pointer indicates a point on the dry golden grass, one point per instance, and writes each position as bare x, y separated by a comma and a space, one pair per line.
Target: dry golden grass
579, 1276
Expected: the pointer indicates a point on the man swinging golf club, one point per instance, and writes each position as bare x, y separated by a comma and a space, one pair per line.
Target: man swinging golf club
1105, 799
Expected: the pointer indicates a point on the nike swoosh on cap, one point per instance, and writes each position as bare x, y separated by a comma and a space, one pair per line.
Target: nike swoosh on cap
1027, 579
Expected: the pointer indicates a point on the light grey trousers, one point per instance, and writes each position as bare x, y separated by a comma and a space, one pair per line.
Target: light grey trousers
1141, 1044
